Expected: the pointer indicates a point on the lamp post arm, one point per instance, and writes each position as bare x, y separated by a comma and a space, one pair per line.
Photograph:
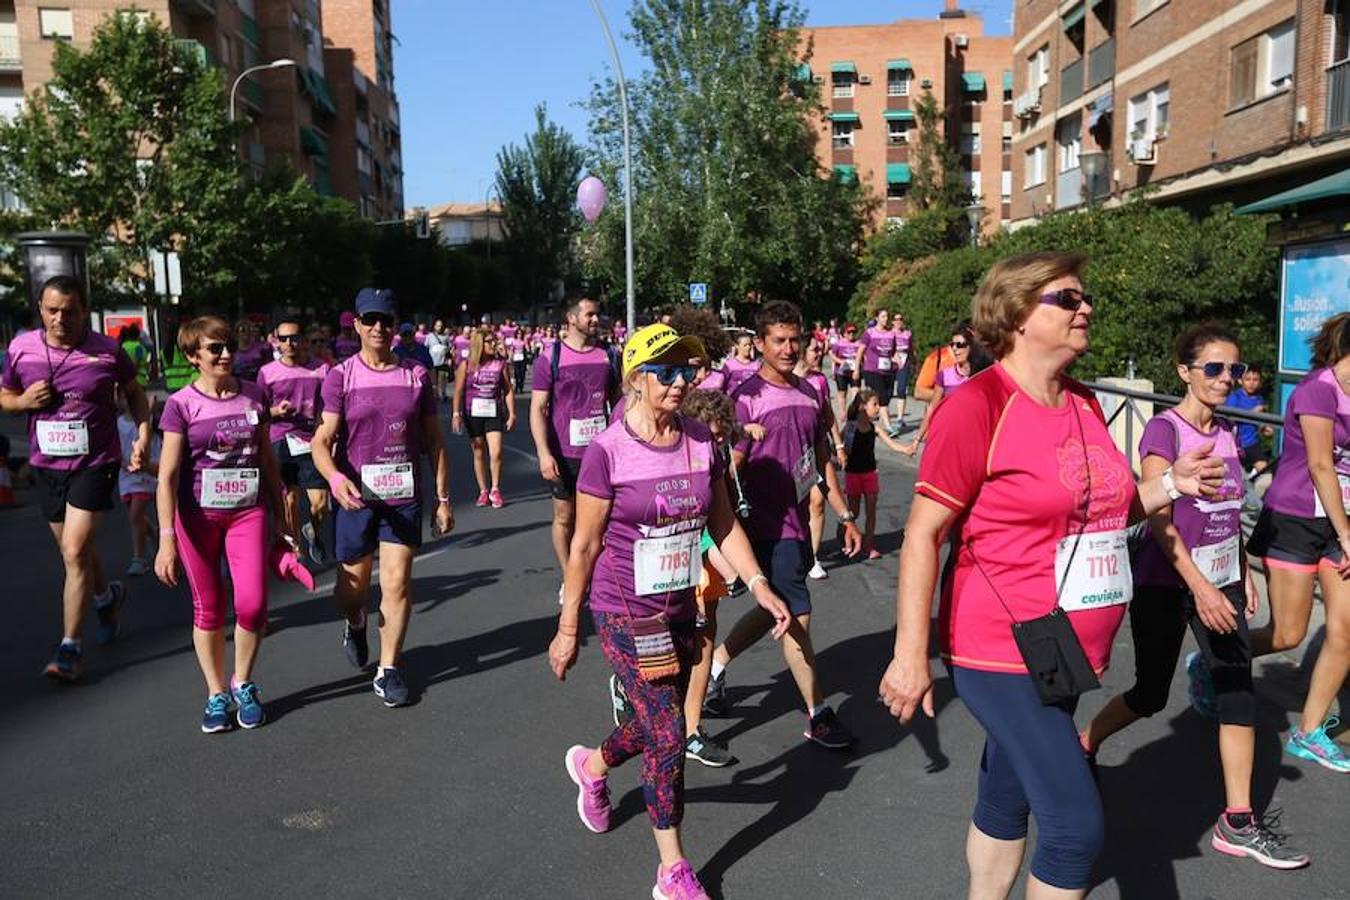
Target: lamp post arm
627, 170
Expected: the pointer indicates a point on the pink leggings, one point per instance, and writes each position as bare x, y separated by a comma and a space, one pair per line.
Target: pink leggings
242, 536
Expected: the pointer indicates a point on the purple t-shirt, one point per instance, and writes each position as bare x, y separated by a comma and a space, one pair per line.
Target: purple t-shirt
660, 498
737, 373
219, 435
1211, 528
461, 346
781, 469
248, 362
300, 384
821, 384
81, 432
579, 398
715, 380
346, 347
847, 351
878, 345
380, 441
1291, 492
485, 387
903, 341
951, 378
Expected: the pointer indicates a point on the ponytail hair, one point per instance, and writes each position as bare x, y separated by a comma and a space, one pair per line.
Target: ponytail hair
859, 400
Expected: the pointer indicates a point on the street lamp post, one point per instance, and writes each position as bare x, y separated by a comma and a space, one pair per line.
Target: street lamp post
974, 214
274, 64
487, 216
627, 170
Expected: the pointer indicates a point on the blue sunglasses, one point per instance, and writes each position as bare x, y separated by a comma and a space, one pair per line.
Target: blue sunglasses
666, 374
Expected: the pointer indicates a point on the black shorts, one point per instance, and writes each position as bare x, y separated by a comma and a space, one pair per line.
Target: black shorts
785, 563
1293, 542
90, 489
843, 380
298, 471
1254, 454
881, 383
477, 426
565, 488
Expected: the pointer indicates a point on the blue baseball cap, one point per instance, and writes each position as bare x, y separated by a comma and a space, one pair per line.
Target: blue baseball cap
375, 300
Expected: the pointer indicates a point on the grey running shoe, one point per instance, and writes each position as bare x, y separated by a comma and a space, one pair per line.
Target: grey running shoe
314, 542
1259, 840
707, 751
715, 701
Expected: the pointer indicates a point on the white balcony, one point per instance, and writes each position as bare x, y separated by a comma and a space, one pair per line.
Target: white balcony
10, 58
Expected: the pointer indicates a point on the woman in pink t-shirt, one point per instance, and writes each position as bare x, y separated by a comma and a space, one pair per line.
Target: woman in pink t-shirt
485, 405
1022, 477
947, 381
809, 370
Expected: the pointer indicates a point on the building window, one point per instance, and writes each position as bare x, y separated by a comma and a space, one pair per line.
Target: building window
1005, 187
1144, 7
972, 181
843, 135
1149, 114
1070, 140
896, 191
1007, 137
1038, 68
897, 82
1263, 65
897, 132
11, 102
1339, 11
970, 138
58, 24
842, 84
1035, 166
894, 222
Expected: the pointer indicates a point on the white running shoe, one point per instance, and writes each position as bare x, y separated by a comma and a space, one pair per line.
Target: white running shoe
818, 572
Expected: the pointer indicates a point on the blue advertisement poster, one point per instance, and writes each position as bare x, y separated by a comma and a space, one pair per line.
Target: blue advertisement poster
1315, 286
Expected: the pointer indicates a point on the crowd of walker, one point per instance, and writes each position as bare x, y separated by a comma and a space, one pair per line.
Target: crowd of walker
688, 466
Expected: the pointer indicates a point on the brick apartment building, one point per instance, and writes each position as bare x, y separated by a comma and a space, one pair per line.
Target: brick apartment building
311, 115
1201, 100
872, 78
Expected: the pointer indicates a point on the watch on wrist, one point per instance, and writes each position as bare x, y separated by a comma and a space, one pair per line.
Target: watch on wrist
847, 518
1169, 485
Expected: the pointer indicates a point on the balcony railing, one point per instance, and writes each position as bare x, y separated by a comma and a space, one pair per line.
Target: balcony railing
1338, 95
1071, 82
197, 8
1069, 188
10, 59
1101, 63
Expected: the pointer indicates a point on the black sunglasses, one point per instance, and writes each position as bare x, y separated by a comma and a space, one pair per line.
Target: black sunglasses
371, 319
1215, 369
959, 345
1067, 299
290, 338
667, 374
318, 340
218, 348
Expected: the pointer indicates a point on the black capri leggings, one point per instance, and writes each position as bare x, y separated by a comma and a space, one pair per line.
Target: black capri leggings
1158, 620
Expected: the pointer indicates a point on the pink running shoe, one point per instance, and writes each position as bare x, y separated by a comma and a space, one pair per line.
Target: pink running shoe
495, 496
592, 794
678, 883
482, 499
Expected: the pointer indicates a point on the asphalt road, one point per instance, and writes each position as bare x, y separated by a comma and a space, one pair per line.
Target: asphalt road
110, 790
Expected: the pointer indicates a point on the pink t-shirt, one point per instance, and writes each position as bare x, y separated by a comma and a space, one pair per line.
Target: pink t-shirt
579, 398
382, 412
1015, 471
461, 346
779, 470
299, 384
737, 372
818, 381
715, 380
1318, 394
83, 379
951, 378
846, 352
486, 384
655, 493
218, 434
878, 344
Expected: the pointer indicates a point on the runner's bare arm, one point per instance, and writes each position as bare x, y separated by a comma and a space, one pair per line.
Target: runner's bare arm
730, 539
166, 506
35, 396
271, 482
834, 495
548, 467
457, 402
139, 406
587, 542
445, 516
1320, 439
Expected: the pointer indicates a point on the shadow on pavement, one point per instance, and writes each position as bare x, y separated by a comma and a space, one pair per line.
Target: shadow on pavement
793, 784
427, 594
1163, 800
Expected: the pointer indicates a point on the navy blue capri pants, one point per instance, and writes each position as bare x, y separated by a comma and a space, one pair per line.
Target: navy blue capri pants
1034, 765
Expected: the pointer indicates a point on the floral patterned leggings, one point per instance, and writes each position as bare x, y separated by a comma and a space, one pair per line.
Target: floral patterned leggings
657, 729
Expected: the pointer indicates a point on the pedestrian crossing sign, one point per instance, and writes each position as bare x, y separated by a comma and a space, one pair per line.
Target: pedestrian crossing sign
698, 293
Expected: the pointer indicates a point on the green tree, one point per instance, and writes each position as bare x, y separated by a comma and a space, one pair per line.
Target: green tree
537, 184
130, 142
937, 180
727, 188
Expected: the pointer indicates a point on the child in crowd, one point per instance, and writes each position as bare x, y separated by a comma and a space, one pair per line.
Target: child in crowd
1252, 450
861, 484
137, 489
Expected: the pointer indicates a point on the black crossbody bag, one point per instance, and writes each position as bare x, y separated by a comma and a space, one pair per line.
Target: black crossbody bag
1049, 646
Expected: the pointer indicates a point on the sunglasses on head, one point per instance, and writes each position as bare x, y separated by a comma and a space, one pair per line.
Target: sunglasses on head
371, 319
290, 338
667, 374
218, 348
959, 345
1215, 369
1067, 299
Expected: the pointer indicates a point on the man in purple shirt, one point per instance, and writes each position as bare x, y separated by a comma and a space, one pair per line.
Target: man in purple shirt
65, 377
575, 385
777, 475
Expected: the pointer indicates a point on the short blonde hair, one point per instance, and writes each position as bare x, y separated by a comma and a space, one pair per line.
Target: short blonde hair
190, 335
1010, 291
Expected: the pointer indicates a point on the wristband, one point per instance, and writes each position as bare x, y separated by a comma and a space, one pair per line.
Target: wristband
1170, 485
166, 532
338, 481
440, 499
755, 579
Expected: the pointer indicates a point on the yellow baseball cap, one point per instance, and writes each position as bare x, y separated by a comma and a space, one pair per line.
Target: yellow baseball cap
653, 341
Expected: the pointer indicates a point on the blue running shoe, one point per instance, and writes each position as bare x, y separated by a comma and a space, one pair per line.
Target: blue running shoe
65, 664
1202, 685
216, 718
110, 613
391, 688
1317, 746
250, 713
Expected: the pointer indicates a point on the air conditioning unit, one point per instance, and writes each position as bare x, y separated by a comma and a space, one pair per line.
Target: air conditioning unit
1143, 152
961, 41
817, 79
864, 79
926, 84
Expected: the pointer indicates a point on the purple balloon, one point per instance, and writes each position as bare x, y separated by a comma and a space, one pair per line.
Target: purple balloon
591, 197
